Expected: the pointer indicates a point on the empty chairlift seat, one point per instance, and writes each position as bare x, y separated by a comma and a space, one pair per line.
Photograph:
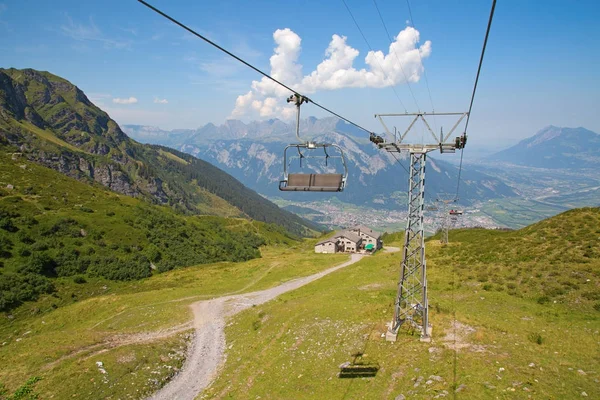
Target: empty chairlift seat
313, 183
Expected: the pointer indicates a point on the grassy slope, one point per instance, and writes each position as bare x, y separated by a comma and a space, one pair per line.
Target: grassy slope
105, 226
524, 302
34, 340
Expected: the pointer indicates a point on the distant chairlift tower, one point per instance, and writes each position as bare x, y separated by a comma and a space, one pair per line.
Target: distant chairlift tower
411, 303
445, 199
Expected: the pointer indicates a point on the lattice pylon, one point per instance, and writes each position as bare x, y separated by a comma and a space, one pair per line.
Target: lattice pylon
411, 301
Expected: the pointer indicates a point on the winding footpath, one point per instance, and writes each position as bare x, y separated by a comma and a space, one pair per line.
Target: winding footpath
207, 351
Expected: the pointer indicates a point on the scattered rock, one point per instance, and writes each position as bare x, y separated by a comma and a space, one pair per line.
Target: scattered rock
82, 232
436, 378
345, 365
10, 187
501, 369
531, 365
581, 372
400, 397
584, 394
460, 388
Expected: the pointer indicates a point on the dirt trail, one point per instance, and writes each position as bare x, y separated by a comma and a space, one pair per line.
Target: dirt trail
207, 351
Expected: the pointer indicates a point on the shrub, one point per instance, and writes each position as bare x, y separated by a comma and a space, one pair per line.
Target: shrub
79, 279
543, 299
5, 246
24, 238
24, 252
16, 289
39, 246
536, 338
40, 264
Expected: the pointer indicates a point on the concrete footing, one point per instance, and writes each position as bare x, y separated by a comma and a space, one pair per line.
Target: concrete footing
427, 338
391, 336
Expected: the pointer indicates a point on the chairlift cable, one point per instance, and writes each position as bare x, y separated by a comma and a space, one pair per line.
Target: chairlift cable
487, 34
370, 48
397, 58
412, 23
193, 32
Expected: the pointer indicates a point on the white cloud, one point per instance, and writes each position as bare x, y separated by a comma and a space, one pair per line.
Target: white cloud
91, 33
131, 100
160, 101
401, 64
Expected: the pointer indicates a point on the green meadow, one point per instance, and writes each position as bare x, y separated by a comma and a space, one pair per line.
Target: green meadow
67, 342
515, 315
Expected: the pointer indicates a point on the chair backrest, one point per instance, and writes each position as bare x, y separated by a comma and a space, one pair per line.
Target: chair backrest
299, 180
327, 181
313, 183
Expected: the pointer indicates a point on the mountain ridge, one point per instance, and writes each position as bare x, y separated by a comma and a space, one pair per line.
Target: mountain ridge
374, 178
555, 147
52, 122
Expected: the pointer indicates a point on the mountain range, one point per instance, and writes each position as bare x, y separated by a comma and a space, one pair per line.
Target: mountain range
52, 122
253, 153
555, 147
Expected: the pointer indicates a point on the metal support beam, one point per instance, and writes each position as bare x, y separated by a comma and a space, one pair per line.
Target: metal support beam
411, 301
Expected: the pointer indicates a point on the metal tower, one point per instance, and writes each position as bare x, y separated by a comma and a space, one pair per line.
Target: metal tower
445, 199
411, 304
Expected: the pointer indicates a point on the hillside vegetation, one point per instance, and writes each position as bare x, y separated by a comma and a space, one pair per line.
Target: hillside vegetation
499, 329
137, 330
52, 226
53, 123
515, 315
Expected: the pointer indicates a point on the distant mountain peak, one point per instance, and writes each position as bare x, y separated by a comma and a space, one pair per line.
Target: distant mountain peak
555, 147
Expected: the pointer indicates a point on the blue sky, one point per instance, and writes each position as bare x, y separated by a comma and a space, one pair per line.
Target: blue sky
541, 64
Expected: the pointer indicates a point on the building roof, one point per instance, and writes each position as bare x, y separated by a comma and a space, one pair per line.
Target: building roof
366, 230
332, 240
349, 235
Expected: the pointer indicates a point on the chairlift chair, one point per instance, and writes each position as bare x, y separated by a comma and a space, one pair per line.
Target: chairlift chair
311, 182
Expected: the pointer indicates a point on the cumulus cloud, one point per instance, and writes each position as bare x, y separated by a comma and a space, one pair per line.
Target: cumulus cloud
160, 101
131, 100
401, 64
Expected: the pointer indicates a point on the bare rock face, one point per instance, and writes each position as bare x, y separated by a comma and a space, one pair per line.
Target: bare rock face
114, 179
86, 167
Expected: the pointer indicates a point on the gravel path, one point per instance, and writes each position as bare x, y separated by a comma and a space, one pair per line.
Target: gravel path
207, 351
